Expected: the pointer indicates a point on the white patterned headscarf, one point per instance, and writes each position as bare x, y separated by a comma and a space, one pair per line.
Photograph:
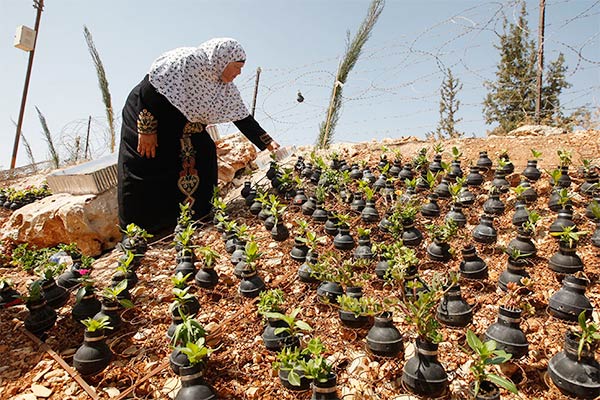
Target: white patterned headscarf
190, 78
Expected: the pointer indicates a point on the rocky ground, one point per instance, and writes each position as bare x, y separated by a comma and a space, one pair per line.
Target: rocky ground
241, 367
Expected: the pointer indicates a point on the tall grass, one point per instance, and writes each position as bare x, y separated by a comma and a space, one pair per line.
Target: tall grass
27, 147
353, 50
48, 137
103, 84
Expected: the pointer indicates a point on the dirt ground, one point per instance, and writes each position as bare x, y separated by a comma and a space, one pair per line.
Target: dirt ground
241, 367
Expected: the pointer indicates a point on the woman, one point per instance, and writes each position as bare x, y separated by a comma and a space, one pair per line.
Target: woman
166, 157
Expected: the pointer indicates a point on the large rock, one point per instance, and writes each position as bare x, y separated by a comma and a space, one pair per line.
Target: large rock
91, 221
234, 153
536, 130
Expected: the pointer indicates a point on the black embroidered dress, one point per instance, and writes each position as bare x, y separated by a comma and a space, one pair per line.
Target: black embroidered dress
184, 169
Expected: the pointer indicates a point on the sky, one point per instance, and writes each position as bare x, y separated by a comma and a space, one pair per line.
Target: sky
393, 90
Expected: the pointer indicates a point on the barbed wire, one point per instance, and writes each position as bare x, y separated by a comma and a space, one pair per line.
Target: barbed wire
380, 76
374, 83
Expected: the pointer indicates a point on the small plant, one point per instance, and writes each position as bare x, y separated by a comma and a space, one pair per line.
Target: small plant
555, 176
530, 226
209, 256
456, 154
438, 148
287, 360
515, 254
363, 306
189, 331
368, 192
485, 355
316, 368
588, 335
179, 280
348, 273
419, 309
270, 301
136, 234
362, 232
251, 255
96, 324
49, 271
563, 197
565, 157
518, 191
184, 239
431, 179
455, 188
294, 360
569, 235
312, 240
342, 220
124, 263
410, 183
185, 214
110, 294
302, 228
30, 259
294, 326
536, 154
5, 283
443, 232
34, 293
181, 297
87, 286
277, 209
197, 352
502, 163
320, 194
420, 161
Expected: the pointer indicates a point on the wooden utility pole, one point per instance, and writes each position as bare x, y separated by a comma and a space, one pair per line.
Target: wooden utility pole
87, 138
258, 71
39, 6
540, 62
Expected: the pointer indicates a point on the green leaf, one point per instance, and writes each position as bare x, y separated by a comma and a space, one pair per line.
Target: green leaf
126, 303
473, 341
503, 382
294, 378
303, 325
490, 346
281, 330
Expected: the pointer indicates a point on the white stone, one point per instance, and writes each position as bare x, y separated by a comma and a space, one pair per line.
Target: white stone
88, 220
536, 130
41, 391
171, 387
112, 391
234, 152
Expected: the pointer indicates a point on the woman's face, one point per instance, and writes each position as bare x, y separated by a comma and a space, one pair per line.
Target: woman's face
232, 70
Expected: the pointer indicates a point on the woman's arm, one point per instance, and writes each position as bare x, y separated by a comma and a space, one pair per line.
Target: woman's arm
257, 135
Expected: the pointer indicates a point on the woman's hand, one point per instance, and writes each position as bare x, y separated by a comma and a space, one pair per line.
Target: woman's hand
147, 145
273, 146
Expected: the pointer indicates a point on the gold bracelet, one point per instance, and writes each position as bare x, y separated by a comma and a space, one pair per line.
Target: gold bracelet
146, 123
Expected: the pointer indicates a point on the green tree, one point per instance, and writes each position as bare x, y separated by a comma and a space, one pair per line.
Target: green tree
555, 83
511, 98
449, 105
